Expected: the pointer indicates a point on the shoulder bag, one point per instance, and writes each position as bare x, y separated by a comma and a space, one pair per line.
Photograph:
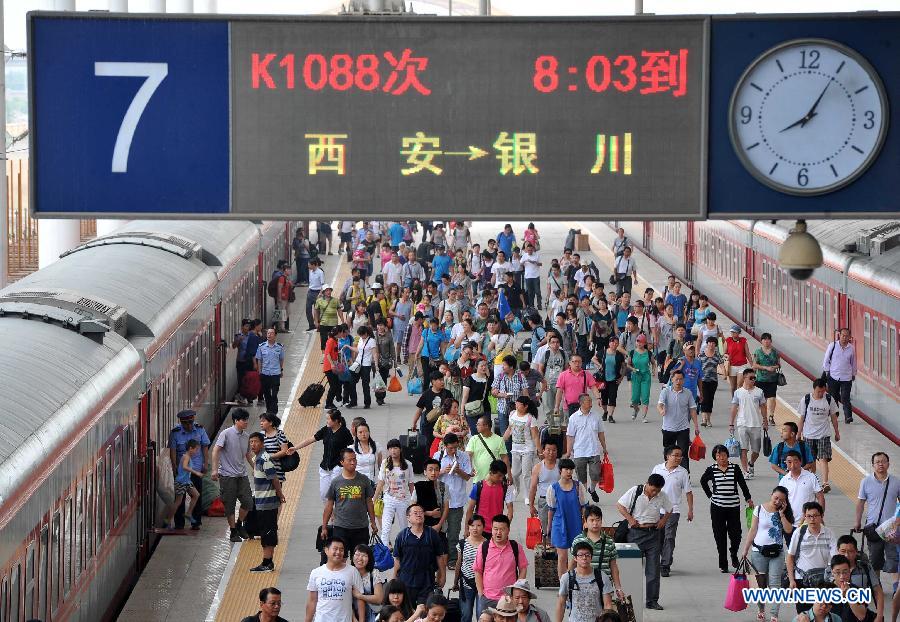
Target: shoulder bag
870, 530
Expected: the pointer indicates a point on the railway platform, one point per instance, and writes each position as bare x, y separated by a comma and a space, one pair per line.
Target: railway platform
206, 577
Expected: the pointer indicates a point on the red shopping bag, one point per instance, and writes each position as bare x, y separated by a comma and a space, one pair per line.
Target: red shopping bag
394, 384
698, 449
734, 597
533, 534
607, 478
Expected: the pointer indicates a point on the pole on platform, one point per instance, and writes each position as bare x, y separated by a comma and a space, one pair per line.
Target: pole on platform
118, 6
638, 7
4, 208
484, 7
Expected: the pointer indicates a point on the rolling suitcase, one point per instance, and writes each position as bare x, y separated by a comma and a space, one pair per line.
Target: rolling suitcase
312, 395
454, 612
414, 446
553, 432
545, 566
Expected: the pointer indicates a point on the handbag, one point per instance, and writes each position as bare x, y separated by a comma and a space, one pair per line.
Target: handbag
451, 354
620, 534
414, 383
607, 476
767, 444
533, 532
734, 597
383, 559
394, 384
378, 383
770, 550
780, 379
697, 450
733, 446
379, 507
434, 414
474, 408
613, 279
626, 609
887, 532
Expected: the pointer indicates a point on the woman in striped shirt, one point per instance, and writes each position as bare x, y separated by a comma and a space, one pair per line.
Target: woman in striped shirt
720, 482
275, 444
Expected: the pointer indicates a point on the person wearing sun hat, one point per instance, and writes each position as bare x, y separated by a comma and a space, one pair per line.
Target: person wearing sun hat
522, 595
505, 610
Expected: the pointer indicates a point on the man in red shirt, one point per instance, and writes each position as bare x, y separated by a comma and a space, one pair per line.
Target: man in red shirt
571, 384
507, 563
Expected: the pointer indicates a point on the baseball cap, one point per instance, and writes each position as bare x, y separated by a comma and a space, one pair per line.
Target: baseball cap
735, 329
376, 285
327, 286
641, 339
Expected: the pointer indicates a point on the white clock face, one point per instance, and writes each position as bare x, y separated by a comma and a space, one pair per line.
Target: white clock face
808, 117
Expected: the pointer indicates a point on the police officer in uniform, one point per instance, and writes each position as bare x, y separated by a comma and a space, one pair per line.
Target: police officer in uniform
178, 439
269, 362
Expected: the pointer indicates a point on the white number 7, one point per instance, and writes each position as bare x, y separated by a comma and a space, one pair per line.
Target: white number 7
155, 74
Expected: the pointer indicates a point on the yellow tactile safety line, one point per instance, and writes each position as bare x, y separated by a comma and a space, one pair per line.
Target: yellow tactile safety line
241, 597
842, 473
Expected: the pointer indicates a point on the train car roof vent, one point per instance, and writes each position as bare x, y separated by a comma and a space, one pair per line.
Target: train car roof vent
171, 243
879, 239
88, 315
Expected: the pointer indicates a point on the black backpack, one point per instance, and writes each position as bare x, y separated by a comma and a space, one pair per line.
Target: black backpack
598, 575
484, 553
272, 285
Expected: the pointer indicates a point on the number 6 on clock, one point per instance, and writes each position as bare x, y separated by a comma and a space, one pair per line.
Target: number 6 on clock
155, 74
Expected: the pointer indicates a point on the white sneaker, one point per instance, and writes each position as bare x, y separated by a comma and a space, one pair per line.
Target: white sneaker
750, 470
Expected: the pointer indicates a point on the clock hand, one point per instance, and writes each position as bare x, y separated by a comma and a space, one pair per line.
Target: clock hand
812, 111
801, 122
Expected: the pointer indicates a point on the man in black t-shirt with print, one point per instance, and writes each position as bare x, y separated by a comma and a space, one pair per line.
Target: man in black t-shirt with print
432, 397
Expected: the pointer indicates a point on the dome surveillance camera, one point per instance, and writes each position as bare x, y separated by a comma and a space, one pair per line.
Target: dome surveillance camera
800, 254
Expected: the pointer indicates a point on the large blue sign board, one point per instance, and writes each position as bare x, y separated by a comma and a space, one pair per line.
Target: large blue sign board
129, 116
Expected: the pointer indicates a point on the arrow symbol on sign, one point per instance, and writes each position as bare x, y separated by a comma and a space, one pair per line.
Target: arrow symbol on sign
474, 153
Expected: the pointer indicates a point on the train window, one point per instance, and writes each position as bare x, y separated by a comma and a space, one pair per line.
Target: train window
110, 492
883, 354
867, 334
89, 518
117, 478
892, 356
55, 572
79, 533
4, 594
43, 584
15, 594
28, 603
874, 346
68, 545
99, 531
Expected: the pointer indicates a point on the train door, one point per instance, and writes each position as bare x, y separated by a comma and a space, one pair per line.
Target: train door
749, 289
647, 242
690, 252
220, 377
146, 474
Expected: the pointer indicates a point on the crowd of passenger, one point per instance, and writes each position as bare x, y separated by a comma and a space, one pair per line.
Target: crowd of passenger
517, 363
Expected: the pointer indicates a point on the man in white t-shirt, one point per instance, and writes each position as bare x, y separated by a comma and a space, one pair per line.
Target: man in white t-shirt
332, 587
393, 270
531, 262
749, 420
817, 410
678, 485
584, 437
526, 439
499, 269
802, 485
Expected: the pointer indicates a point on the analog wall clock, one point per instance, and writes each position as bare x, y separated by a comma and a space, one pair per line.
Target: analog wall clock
808, 116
